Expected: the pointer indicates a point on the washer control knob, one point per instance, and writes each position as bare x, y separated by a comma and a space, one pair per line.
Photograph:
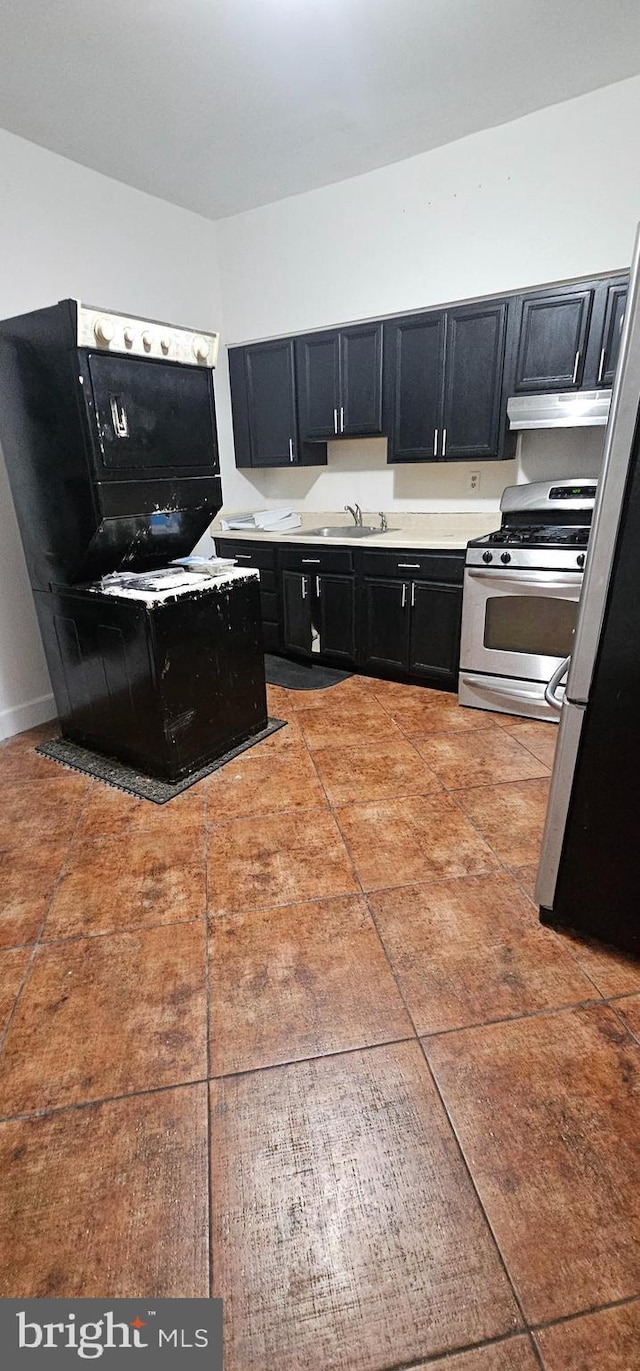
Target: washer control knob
129, 337
580, 559
165, 342
505, 557
147, 340
487, 556
201, 348
104, 330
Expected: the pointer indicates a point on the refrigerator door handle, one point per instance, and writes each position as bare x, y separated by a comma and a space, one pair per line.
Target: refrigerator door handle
550, 689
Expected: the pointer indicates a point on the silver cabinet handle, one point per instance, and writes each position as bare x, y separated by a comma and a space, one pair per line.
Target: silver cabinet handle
243, 556
303, 586
435, 442
575, 368
550, 689
291, 449
318, 586
413, 594
444, 441
408, 566
342, 418
310, 561
335, 421
404, 595
601, 367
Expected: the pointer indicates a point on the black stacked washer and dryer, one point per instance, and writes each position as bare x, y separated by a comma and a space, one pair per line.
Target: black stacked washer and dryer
108, 430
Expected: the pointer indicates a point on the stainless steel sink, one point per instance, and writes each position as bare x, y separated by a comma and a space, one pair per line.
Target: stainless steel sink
345, 531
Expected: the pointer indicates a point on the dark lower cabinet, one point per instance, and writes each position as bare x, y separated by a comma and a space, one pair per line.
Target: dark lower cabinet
335, 611
385, 625
263, 557
412, 627
296, 612
434, 640
318, 614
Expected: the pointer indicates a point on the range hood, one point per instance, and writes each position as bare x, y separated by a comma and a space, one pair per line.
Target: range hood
566, 409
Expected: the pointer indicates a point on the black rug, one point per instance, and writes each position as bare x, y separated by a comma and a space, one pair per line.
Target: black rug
125, 778
279, 671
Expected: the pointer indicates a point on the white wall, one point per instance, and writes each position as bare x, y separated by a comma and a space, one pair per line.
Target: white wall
66, 231
549, 197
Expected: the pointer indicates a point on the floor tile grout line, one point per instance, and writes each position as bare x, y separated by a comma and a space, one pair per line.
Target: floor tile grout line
509, 872
635, 1037
540, 1325
36, 944
441, 1359
315, 1057
450, 1123
54, 1109
467, 1167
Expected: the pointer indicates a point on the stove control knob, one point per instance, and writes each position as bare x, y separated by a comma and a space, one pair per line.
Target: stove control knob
487, 556
165, 342
104, 330
147, 340
505, 557
580, 559
129, 337
201, 348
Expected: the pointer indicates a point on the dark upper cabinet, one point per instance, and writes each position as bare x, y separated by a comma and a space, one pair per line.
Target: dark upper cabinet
413, 385
318, 371
474, 367
443, 384
616, 301
265, 407
552, 343
361, 381
339, 377
434, 646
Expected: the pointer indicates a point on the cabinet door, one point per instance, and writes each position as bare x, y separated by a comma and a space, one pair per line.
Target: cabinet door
611, 334
436, 612
386, 623
553, 335
271, 403
474, 364
318, 379
413, 385
296, 612
336, 616
361, 381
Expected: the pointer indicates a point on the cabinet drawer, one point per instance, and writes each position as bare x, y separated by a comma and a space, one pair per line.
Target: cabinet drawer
261, 555
415, 566
314, 560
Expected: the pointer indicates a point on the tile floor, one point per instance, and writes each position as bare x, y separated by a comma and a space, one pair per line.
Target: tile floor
298, 1038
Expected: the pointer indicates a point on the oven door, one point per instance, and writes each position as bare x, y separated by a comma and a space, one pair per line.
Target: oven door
518, 623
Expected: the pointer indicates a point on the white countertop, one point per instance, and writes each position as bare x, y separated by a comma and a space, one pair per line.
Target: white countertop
436, 530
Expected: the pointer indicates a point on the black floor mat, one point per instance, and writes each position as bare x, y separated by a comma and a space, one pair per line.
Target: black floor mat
279, 671
125, 778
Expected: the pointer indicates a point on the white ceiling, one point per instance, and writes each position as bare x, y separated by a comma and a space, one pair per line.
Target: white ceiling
222, 105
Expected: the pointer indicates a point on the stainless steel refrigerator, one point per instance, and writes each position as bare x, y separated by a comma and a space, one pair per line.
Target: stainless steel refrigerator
589, 874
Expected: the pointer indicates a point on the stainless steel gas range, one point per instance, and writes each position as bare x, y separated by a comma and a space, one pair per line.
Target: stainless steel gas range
521, 591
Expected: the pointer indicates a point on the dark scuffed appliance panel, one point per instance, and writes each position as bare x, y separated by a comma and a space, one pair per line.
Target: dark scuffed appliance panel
149, 416
207, 650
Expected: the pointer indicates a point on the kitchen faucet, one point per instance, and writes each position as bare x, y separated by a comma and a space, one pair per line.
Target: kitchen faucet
356, 514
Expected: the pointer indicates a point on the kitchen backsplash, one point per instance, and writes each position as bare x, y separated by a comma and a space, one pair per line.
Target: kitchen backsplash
358, 471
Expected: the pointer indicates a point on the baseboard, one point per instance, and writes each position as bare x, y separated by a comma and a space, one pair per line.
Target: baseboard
20, 717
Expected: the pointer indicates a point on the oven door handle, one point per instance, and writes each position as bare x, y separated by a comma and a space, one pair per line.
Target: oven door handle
519, 578
550, 689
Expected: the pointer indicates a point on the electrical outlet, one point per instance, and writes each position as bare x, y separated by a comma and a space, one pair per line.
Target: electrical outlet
473, 481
